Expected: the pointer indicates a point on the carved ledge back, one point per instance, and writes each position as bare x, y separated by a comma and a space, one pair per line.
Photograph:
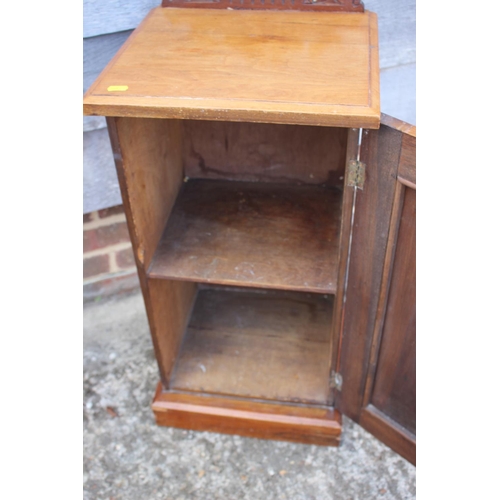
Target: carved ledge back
311, 5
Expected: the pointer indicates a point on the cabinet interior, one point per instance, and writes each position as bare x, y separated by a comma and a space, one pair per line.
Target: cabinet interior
238, 228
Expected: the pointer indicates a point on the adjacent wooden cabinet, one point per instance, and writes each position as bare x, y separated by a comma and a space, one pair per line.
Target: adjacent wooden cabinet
272, 215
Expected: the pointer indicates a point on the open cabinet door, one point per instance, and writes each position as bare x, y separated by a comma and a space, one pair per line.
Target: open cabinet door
377, 351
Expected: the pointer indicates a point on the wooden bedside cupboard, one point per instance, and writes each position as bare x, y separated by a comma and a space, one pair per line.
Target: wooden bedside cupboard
271, 209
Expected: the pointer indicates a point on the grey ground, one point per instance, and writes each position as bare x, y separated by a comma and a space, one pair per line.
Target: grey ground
126, 456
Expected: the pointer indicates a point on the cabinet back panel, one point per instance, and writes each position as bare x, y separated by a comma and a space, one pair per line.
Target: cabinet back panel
262, 344
261, 152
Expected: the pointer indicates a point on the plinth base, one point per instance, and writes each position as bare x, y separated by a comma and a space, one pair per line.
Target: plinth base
266, 420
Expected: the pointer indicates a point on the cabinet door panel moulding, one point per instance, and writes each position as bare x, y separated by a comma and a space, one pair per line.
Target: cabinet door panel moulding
379, 350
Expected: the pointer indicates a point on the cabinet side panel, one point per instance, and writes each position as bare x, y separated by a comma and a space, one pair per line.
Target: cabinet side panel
152, 166
261, 152
171, 305
148, 160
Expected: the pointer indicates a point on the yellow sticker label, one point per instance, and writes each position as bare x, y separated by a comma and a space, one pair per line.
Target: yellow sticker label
117, 88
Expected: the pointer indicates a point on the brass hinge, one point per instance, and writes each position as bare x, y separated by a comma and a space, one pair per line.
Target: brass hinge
336, 381
356, 171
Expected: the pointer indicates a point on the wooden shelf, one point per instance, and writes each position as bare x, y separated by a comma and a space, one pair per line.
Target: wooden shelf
261, 344
250, 234
315, 68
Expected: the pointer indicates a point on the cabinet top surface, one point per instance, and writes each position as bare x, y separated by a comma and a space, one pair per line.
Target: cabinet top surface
236, 65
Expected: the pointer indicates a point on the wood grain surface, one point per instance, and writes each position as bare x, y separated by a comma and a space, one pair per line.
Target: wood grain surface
257, 344
286, 422
252, 234
380, 152
378, 353
389, 403
267, 66
394, 386
396, 20
148, 162
389, 432
407, 172
264, 152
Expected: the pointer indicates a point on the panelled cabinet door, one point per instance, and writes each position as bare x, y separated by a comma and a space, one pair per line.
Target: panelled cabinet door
377, 360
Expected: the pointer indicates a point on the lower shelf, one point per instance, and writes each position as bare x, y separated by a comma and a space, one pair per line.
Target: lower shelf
260, 344
311, 425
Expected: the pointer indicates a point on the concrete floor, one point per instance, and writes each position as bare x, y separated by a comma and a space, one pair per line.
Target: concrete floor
126, 456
